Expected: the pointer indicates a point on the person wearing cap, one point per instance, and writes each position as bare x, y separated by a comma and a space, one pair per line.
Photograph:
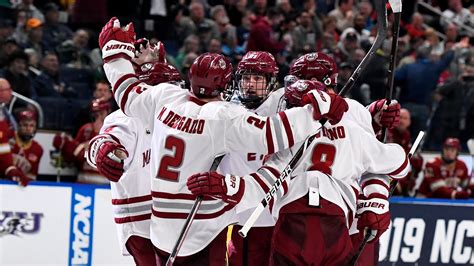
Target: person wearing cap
73, 149
31, 10
27, 152
55, 33
7, 47
446, 176
34, 35
8, 169
15, 73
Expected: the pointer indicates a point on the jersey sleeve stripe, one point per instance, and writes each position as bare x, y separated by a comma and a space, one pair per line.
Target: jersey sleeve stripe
286, 125
278, 133
179, 196
131, 200
271, 148
122, 79
376, 182
129, 219
124, 99
184, 215
401, 171
260, 182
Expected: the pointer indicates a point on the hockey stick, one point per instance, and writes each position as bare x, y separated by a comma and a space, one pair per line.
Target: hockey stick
470, 147
381, 33
190, 218
396, 6
392, 188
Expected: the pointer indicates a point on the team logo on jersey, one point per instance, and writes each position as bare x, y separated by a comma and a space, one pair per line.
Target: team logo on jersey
146, 67
32, 157
311, 56
19, 223
222, 63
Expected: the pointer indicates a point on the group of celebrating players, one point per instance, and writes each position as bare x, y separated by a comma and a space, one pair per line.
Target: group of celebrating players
158, 148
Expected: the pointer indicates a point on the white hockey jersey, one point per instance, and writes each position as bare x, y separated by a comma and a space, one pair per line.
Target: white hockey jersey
131, 195
187, 135
347, 148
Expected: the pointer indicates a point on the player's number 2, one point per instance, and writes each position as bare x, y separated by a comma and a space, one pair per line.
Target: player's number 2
172, 161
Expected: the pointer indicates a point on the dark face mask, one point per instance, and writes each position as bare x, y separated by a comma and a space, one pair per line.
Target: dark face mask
26, 138
446, 161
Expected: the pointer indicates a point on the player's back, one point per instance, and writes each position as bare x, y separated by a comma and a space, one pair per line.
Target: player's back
349, 151
189, 136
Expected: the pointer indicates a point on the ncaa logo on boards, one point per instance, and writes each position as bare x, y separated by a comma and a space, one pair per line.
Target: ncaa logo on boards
19, 223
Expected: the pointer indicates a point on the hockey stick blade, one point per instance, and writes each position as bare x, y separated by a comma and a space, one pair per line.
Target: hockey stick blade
381, 33
190, 218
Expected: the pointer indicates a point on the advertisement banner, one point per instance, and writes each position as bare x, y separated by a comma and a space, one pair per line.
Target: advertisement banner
34, 225
429, 232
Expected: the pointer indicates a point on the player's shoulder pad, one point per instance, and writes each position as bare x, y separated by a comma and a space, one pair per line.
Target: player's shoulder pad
222, 110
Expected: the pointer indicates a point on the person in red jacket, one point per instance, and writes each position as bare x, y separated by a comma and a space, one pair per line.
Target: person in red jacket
7, 168
27, 152
73, 150
446, 176
261, 36
401, 135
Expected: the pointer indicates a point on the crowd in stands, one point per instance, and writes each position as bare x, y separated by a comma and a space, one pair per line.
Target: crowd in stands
48, 52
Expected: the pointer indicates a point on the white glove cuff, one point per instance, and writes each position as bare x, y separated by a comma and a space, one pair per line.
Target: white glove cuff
232, 183
94, 146
375, 205
114, 47
324, 101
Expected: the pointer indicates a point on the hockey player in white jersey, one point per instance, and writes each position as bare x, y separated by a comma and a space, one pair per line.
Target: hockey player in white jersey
316, 205
189, 130
256, 89
129, 169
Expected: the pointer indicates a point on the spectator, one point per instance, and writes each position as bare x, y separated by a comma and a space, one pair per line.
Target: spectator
432, 39
243, 32
8, 47
30, 9
197, 24
348, 44
16, 73
191, 45
331, 36
236, 11
73, 150
35, 33
451, 32
285, 8
75, 52
366, 10
311, 7
26, 151
459, 15
49, 83
261, 37
103, 92
455, 99
344, 14
260, 7
446, 176
215, 46
416, 92
304, 35
55, 33
6, 29
415, 29
401, 135
227, 31
33, 64
7, 128
360, 29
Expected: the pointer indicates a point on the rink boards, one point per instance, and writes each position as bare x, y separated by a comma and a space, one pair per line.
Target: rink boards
71, 224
